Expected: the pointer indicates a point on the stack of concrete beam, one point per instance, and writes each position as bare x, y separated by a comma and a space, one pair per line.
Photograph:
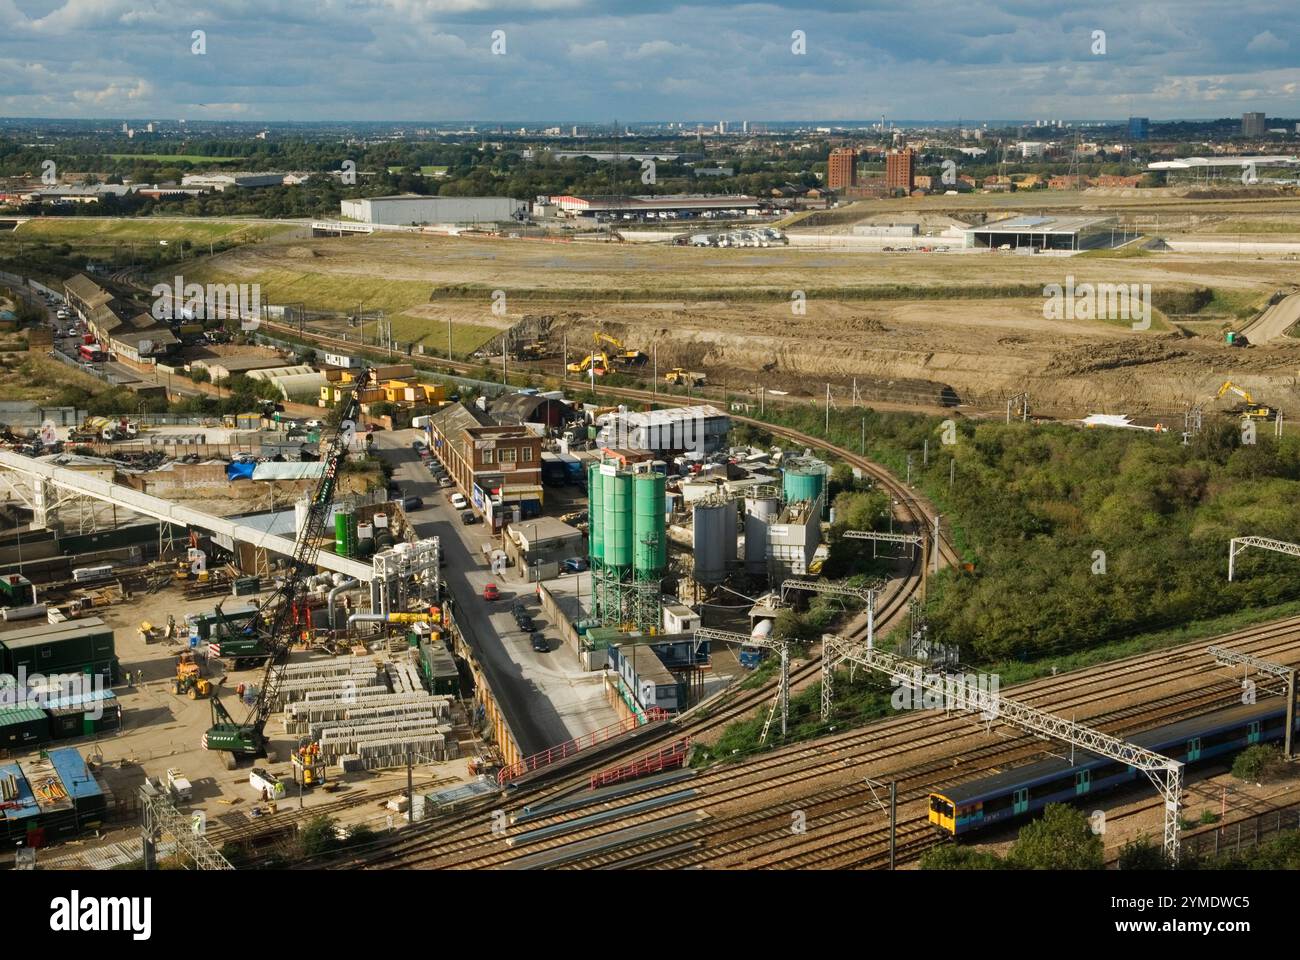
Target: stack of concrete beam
298, 717
431, 708
391, 750
403, 677
427, 738
307, 688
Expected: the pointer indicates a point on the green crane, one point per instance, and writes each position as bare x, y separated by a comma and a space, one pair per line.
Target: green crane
274, 620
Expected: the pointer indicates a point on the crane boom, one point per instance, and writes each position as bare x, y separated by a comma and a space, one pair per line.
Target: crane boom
274, 618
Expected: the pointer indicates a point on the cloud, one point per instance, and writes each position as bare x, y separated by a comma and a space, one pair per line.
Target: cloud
114, 93
1266, 42
597, 48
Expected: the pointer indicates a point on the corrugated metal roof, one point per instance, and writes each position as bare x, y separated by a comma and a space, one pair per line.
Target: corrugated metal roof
11, 716
71, 768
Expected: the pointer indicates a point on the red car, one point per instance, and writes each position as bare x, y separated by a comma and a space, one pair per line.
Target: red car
490, 592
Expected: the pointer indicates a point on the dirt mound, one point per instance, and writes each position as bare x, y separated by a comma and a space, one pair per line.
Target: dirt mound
301, 253
1094, 358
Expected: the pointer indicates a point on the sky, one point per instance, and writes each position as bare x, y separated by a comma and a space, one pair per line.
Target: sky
647, 60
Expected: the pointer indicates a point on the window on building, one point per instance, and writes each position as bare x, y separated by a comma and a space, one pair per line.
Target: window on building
487, 456
526, 454
508, 455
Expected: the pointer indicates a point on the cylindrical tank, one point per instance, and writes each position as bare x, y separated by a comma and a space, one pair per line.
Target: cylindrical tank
804, 479
383, 539
345, 533
730, 534
650, 541
300, 509
595, 513
708, 540
759, 513
618, 521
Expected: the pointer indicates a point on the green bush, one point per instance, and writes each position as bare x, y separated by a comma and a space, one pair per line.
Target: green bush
1062, 839
1258, 763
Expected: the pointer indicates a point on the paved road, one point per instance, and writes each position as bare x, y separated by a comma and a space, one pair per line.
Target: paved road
1275, 321
546, 696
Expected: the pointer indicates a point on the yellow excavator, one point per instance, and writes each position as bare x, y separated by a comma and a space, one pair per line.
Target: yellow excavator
1249, 408
623, 357
597, 363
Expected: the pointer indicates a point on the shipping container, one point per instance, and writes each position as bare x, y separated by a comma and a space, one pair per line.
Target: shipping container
76, 646
23, 727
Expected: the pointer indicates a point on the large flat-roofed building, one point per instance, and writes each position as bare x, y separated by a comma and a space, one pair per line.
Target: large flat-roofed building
415, 210
1252, 124
1046, 233
222, 182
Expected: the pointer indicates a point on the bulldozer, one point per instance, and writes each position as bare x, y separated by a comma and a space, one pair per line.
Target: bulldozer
188, 680
1249, 408
683, 377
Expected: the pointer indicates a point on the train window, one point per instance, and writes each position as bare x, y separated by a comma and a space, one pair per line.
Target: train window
941, 806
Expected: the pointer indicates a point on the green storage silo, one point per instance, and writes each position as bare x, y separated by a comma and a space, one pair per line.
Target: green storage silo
804, 479
650, 542
345, 533
595, 513
618, 521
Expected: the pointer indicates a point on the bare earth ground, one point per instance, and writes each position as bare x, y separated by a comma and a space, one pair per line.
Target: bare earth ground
689, 305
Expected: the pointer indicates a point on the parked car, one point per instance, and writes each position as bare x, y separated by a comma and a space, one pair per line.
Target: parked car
490, 592
412, 503
418, 445
446, 481
469, 518
525, 623
574, 565
458, 501
540, 643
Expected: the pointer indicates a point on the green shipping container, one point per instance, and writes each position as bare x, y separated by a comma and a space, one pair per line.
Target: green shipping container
23, 727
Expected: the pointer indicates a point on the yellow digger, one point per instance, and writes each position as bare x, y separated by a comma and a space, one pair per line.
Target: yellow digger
597, 363
188, 681
1249, 408
623, 357
685, 378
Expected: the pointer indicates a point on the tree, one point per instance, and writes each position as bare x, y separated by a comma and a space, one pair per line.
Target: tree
1061, 840
1257, 764
318, 836
949, 856
1142, 854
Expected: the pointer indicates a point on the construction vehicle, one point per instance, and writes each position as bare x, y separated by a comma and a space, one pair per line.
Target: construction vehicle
95, 429
1234, 339
178, 786
308, 767
1249, 409
531, 351
597, 363
622, 357
685, 378
276, 622
189, 680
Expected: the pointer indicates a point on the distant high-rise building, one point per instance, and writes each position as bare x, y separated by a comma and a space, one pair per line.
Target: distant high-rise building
900, 170
1139, 128
722, 126
842, 168
1252, 124
744, 126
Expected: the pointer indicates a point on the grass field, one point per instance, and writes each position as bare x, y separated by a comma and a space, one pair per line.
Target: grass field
92, 230
347, 292
174, 157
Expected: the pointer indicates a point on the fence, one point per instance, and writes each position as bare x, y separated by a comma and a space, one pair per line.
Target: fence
1233, 837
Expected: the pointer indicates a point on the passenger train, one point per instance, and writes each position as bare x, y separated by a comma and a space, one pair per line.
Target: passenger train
1023, 791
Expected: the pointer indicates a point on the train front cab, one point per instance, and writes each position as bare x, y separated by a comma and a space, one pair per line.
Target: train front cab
942, 814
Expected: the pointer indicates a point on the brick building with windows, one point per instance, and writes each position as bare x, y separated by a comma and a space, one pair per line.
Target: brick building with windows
900, 170
842, 168
489, 462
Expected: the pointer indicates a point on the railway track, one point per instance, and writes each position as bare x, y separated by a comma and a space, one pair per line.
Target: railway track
839, 833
